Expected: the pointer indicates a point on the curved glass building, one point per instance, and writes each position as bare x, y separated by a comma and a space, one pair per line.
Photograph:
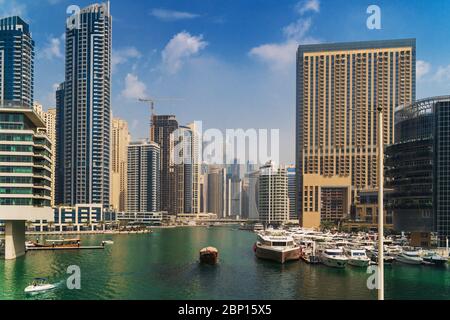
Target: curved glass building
418, 167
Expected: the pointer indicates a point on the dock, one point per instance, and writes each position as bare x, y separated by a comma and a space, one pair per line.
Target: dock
63, 249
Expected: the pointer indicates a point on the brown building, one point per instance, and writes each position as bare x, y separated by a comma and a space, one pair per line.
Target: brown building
339, 88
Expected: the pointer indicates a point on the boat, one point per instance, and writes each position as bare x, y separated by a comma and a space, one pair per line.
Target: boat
409, 257
373, 255
60, 243
432, 258
334, 258
258, 227
357, 257
308, 252
276, 246
39, 285
107, 242
209, 255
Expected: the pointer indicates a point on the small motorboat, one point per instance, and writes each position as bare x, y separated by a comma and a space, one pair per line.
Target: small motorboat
39, 285
209, 255
105, 242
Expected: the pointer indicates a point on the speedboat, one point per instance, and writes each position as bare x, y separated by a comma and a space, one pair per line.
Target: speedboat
334, 258
409, 257
39, 285
107, 242
432, 258
276, 246
357, 257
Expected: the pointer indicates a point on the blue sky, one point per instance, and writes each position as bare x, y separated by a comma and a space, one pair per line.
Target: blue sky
232, 62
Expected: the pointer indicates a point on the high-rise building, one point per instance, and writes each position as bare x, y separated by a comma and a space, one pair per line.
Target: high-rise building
87, 110
60, 140
143, 190
217, 191
120, 138
49, 118
418, 168
250, 191
339, 88
273, 201
162, 128
16, 62
291, 180
25, 173
186, 168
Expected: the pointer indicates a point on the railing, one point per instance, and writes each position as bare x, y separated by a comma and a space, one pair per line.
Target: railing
10, 104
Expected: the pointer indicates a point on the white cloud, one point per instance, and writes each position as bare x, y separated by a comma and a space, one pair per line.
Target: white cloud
53, 48
422, 69
12, 8
134, 88
122, 56
171, 15
442, 73
281, 56
278, 55
308, 5
180, 48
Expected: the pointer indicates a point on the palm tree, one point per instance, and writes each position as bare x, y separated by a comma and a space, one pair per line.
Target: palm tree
70, 224
101, 223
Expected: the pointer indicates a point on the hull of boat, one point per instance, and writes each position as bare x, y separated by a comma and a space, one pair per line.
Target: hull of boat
35, 289
210, 258
409, 260
276, 255
333, 262
358, 262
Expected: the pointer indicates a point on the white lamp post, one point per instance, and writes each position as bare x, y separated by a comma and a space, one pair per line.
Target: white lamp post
380, 206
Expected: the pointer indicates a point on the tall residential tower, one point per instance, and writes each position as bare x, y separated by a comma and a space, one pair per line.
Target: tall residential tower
87, 107
16, 62
339, 88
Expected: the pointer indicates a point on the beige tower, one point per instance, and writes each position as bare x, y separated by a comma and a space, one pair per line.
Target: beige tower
120, 139
49, 118
339, 88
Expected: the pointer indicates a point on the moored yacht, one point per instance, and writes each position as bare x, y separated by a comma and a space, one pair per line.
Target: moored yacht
432, 258
276, 246
409, 257
357, 257
334, 258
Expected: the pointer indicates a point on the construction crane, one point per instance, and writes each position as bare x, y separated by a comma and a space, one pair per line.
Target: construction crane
151, 102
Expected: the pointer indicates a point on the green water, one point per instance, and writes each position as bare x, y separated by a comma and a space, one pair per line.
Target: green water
164, 265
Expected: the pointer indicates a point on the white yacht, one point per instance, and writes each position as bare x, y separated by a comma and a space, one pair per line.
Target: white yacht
357, 257
409, 257
334, 258
39, 285
276, 246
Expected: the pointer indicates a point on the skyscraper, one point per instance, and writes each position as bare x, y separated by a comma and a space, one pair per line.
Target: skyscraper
339, 88
49, 118
87, 110
186, 168
16, 62
418, 168
162, 128
120, 138
217, 191
60, 140
273, 201
290, 171
143, 190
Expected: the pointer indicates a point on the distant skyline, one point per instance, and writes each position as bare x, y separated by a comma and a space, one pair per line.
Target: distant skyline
231, 62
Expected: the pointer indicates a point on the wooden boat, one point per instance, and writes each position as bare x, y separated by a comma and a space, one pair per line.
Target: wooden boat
209, 255
63, 243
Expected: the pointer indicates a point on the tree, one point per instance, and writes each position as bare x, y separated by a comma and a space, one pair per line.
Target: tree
29, 224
